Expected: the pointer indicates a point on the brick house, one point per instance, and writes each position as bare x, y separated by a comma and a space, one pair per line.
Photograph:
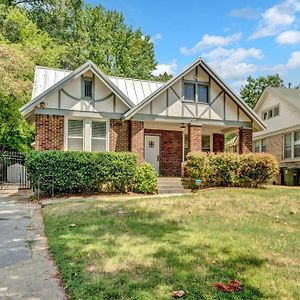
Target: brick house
280, 110
90, 111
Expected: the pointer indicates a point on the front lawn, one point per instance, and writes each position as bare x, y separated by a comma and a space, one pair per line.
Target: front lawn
144, 248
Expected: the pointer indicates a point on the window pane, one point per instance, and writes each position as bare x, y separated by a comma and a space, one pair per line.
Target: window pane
99, 129
257, 146
287, 152
189, 91
263, 146
206, 143
270, 113
288, 140
186, 145
265, 115
75, 128
297, 150
203, 93
88, 88
276, 111
98, 145
75, 144
297, 137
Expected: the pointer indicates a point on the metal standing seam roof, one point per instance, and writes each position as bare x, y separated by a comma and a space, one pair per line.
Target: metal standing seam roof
136, 90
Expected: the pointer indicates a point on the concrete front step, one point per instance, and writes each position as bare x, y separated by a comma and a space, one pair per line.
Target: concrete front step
170, 185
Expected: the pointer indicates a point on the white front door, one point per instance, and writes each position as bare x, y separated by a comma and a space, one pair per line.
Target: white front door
152, 149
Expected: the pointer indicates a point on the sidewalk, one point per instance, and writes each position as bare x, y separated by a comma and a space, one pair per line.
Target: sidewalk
26, 271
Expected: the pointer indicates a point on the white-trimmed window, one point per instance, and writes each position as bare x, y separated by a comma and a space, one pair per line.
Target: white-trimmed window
297, 144
75, 135
259, 146
86, 135
287, 147
270, 113
98, 139
196, 92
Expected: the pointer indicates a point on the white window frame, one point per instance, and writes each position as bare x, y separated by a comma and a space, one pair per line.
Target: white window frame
196, 91
292, 145
259, 145
87, 132
271, 109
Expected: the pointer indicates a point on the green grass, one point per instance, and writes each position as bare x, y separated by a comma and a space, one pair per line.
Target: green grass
144, 248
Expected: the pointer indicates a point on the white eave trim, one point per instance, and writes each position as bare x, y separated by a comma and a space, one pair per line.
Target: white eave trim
25, 109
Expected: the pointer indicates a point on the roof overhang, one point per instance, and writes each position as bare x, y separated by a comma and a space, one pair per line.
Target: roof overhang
89, 65
259, 124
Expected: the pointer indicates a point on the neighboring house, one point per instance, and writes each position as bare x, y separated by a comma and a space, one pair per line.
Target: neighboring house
88, 110
280, 110
232, 146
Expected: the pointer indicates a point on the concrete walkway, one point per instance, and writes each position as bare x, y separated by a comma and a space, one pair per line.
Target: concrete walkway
26, 272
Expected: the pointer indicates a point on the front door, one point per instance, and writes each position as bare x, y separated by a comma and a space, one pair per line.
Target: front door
152, 149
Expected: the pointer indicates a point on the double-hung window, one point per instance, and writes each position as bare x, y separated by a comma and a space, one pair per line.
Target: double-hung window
98, 139
196, 92
257, 146
206, 143
86, 135
75, 135
287, 151
297, 144
270, 113
260, 146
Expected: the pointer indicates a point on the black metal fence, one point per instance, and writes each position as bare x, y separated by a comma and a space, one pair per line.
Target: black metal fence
12, 171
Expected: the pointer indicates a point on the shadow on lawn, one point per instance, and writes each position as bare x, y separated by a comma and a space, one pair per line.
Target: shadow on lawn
177, 265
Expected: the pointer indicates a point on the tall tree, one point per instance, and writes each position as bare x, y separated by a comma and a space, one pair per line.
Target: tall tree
251, 92
91, 32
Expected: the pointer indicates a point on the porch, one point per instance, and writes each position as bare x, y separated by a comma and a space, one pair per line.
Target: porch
166, 145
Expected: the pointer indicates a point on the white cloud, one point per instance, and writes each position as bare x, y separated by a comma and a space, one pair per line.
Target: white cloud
292, 64
170, 68
288, 37
245, 13
156, 37
277, 18
232, 64
211, 41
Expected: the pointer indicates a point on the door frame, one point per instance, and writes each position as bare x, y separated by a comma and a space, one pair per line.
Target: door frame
159, 148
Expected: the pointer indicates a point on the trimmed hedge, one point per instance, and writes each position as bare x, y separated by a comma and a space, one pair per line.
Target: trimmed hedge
72, 172
230, 169
146, 179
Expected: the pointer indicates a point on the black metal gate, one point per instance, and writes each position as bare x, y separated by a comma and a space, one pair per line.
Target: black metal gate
12, 171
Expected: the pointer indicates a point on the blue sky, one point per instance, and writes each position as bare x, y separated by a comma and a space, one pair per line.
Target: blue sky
237, 38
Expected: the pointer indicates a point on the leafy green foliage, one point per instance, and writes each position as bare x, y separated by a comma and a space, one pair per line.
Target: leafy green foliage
91, 32
162, 77
145, 179
251, 92
81, 172
231, 169
15, 133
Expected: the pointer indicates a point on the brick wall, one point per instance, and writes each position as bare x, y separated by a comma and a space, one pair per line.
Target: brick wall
119, 135
218, 142
195, 138
171, 151
49, 132
245, 140
274, 146
137, 139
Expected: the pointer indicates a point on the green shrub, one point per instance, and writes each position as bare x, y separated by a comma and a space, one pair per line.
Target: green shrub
71, 172
230, 169
146, 179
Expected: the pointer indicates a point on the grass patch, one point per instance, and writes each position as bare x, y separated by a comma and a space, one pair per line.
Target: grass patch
144, 248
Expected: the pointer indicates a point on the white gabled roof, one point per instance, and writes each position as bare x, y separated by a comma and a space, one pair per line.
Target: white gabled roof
291, 96
136, 90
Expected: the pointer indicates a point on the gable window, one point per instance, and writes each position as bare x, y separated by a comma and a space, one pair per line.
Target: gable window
86, 135
203, 93
206, 143
75, 135
189, 91
196, 92
287, 151
270, 113
88, 88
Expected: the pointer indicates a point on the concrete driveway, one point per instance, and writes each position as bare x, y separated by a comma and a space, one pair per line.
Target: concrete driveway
26, 271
